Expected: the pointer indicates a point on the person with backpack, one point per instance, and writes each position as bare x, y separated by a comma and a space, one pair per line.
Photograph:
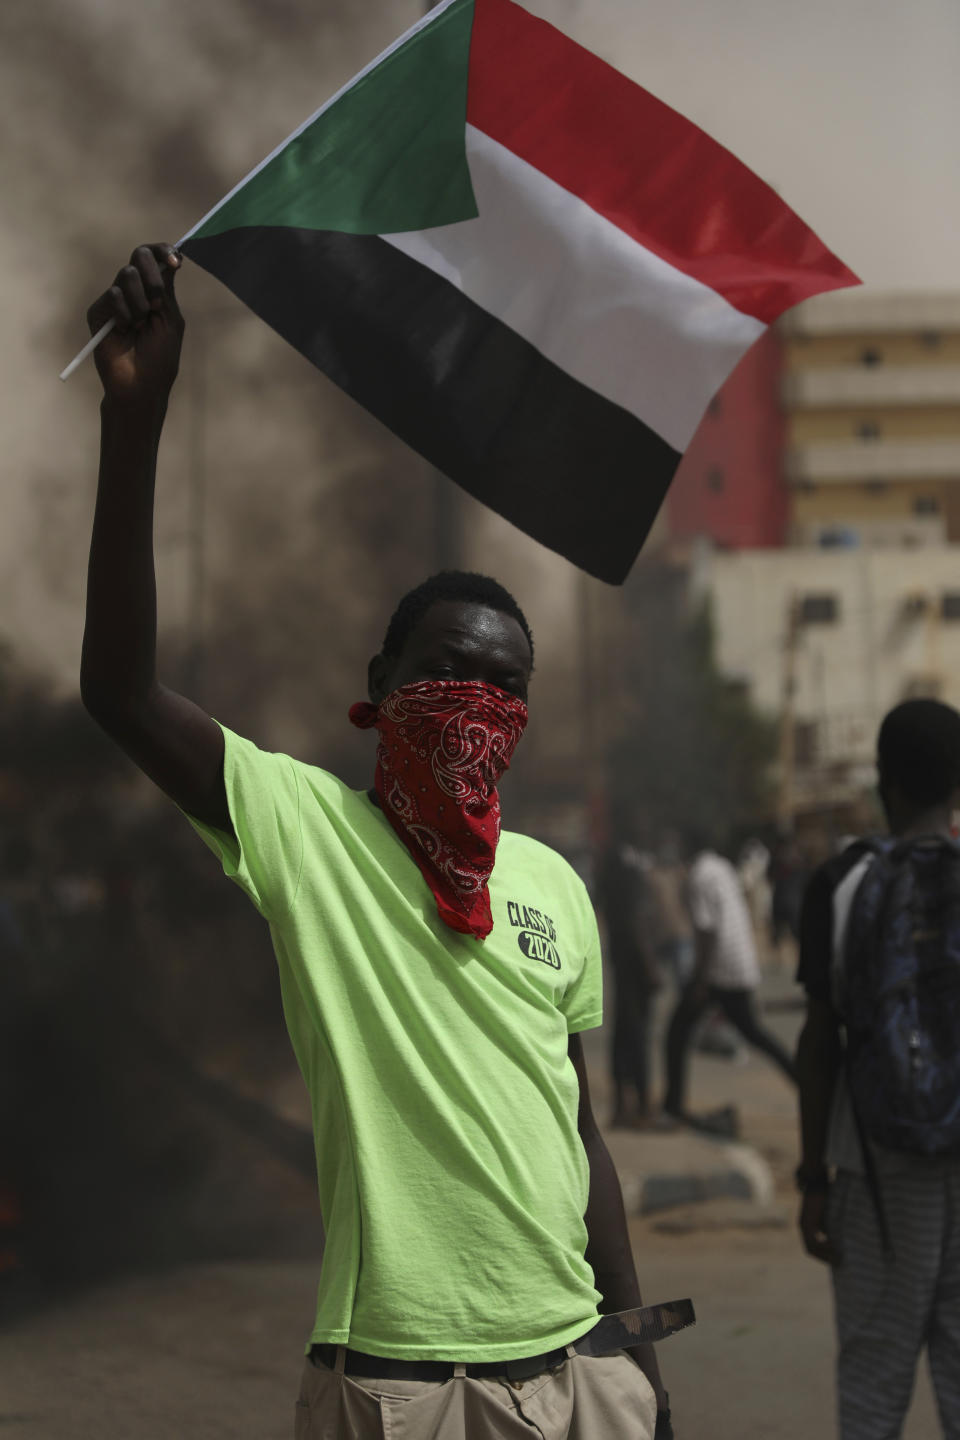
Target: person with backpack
879, 1072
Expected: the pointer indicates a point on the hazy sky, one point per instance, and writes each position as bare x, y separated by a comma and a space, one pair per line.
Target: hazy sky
851, 108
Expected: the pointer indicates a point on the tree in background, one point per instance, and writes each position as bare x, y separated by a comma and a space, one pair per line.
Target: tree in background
693, 749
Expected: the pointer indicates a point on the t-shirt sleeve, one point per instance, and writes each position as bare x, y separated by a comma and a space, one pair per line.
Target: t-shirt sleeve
582, 1002
816, 936
264, 855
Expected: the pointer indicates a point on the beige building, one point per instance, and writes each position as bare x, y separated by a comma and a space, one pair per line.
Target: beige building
871, 390
861, 608
834, 638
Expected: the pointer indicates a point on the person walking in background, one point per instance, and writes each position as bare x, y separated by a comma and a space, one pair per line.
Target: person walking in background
673, 933
726, 972
624, 896
879, 1066
753, 868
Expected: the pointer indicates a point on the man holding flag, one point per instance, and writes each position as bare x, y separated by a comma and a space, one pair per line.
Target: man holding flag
434, 999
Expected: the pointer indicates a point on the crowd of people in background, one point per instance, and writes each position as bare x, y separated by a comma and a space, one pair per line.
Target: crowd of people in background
684, 918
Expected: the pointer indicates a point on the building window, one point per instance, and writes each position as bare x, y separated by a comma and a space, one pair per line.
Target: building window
871, 356
838, 537
950, 605
926, 505
868, 430
821, 609
875, 487
715, 479
930, 339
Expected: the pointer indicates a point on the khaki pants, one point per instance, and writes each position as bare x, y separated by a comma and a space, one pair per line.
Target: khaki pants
586, 1398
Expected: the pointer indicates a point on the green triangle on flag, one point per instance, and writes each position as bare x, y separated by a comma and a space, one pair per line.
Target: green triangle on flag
386, 155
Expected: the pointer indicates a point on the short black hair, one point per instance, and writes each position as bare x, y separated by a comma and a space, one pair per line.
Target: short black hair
918, 749
465, 586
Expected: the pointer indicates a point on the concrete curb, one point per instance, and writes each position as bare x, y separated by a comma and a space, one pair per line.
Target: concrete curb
658, 1172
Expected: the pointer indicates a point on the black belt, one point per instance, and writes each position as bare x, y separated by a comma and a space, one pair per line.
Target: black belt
611, 1333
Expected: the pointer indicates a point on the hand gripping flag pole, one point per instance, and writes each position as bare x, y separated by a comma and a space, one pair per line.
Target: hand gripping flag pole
94, 340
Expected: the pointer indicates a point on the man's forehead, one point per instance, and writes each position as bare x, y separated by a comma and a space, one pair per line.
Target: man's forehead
468, 623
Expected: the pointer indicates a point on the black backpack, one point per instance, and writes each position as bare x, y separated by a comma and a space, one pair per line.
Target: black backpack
900, 996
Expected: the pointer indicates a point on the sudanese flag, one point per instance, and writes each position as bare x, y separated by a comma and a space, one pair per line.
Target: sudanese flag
530, 269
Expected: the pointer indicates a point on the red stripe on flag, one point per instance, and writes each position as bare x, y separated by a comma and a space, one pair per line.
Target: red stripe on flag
640, 164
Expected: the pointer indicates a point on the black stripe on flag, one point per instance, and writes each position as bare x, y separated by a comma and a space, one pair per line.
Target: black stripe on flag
558, 460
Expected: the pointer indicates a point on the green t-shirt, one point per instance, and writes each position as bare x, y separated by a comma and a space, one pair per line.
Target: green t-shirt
453, 1181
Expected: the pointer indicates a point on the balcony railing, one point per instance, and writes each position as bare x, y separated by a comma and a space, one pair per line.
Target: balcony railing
842, 312
866, 460
855, 385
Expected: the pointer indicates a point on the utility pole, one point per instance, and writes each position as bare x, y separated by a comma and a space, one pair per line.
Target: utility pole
204, 325
786, 798
601, 700
447, 510
934, 616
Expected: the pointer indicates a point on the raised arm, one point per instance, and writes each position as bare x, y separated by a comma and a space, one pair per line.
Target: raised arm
171, 739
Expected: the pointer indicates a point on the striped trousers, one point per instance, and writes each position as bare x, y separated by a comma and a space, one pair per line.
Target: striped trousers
888, 1310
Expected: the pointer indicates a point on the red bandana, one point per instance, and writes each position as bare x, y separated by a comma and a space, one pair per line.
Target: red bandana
443, 746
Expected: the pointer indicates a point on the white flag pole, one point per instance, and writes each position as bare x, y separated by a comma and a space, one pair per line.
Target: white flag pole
88, 349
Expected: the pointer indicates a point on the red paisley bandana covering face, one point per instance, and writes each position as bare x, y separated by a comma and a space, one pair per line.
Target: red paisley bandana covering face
443, 746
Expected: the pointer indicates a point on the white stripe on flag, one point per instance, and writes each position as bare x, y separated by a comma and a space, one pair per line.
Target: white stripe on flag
589, 297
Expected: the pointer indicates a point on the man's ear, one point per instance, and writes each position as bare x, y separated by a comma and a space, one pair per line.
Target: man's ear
378, 679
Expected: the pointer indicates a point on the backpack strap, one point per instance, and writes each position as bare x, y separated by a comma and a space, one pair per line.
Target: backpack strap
857, 857
877, 847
